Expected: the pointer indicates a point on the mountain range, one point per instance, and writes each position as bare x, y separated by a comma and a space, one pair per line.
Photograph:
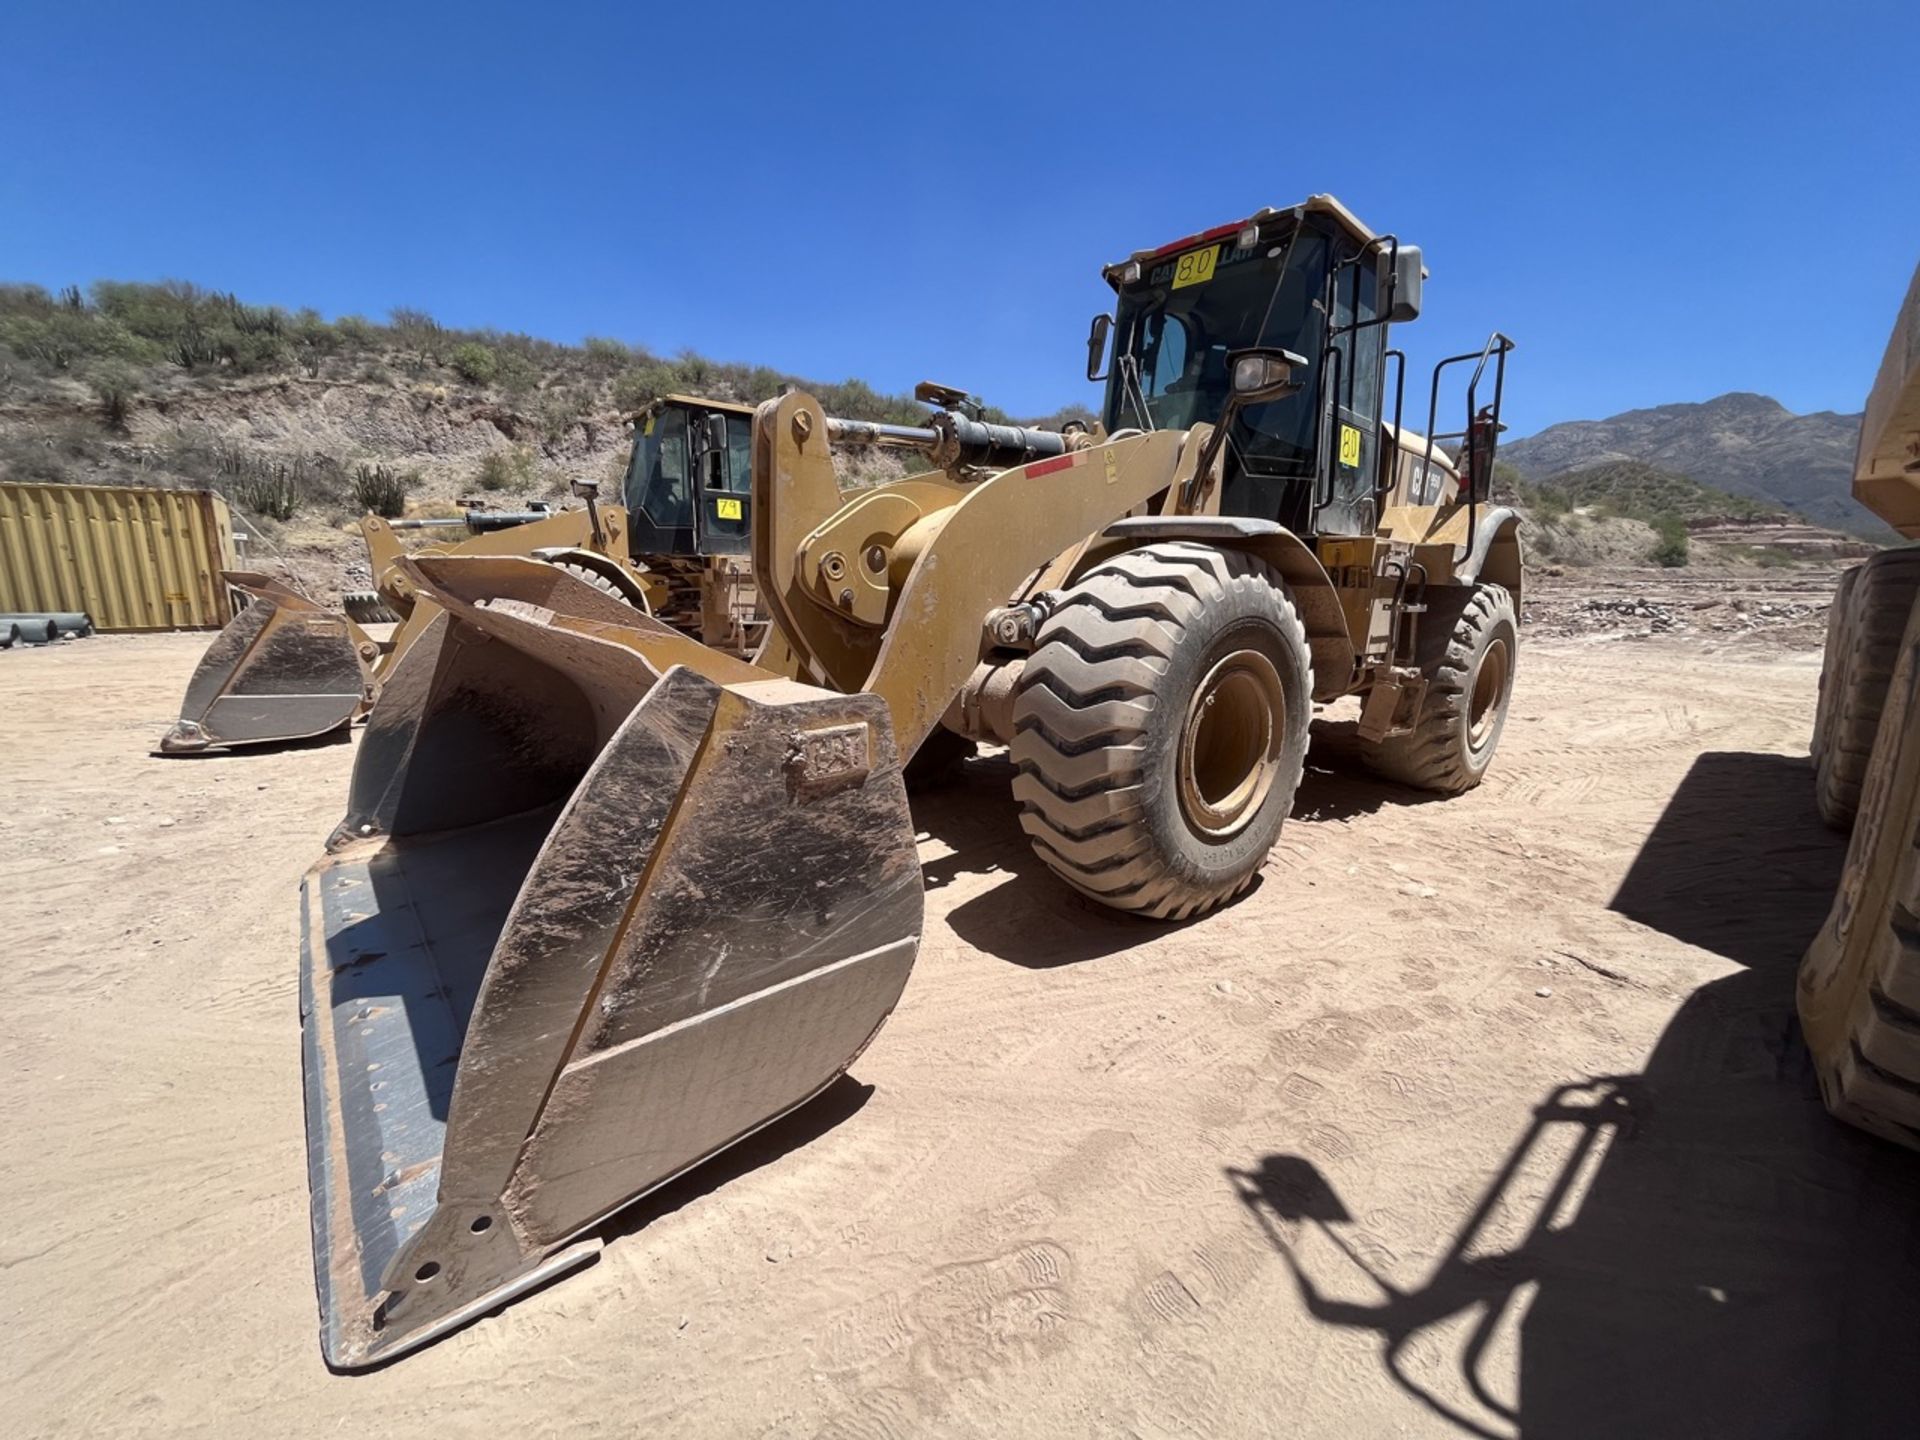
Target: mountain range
1746, 444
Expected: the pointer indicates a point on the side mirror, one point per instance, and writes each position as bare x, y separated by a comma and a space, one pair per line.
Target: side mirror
1263, 375
1097, 346
1403, 296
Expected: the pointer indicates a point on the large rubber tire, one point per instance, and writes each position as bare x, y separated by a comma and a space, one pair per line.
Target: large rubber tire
1832, 661
1469, 646
1859, 985
603, 584
1863, 641
1135, 787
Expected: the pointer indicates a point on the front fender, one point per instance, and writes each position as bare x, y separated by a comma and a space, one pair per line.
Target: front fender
1312, 588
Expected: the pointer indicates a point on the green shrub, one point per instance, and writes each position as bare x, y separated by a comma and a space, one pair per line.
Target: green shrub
115, 387
518, 375
506, 469
267, 491
603, 356
644, 384
381, 489
1670, 547
475, 363
32, 456
414, 327
558, 411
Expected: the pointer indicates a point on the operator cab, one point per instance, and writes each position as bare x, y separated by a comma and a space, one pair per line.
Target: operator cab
1313, 281
689, 482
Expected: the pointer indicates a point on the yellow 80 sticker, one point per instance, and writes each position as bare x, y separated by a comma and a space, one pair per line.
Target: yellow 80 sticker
1349, 446
1195, 267
728, 509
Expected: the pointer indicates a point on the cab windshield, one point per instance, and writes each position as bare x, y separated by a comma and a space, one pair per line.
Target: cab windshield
1174, 334
657, 484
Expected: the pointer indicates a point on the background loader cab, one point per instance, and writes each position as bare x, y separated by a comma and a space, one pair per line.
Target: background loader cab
689, 501
689, 483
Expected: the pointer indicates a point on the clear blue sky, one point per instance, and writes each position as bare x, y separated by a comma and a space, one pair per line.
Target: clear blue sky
1659, 202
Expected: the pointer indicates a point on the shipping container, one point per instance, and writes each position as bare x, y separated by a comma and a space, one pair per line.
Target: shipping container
131, 557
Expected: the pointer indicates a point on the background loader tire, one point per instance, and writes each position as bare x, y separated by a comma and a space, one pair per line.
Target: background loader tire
1468, 647
1859, 985
365, 607
1863, 641
1160, 728
602, 583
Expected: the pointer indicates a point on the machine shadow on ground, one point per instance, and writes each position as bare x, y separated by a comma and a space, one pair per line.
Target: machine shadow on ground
1740, 1263
796, 1130
1033, 918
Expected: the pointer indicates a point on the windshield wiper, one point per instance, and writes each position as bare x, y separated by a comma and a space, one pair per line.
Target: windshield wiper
1279, 279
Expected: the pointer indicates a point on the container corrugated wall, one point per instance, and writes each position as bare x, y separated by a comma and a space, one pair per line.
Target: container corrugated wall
132, 558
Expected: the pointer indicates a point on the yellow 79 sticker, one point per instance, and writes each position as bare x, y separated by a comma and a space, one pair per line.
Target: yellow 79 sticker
1195, 267
1349, 446
727, 509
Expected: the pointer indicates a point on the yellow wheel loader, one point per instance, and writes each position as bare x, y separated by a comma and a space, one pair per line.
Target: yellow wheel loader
286, 668
605, 900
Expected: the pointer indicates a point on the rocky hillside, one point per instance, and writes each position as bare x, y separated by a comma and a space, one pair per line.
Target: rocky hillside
1749, 445
305, 423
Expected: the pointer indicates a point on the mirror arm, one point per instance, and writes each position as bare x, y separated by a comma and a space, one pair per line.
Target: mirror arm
1209, 453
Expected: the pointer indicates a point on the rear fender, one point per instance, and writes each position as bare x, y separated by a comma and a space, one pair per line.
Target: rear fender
1495, 557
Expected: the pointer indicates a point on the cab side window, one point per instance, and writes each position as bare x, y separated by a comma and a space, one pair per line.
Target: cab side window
739, 454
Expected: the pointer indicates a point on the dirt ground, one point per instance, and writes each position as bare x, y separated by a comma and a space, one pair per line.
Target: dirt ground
1484, 1116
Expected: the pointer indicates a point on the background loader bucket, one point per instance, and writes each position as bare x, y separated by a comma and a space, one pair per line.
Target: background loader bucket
284, 668
580, 931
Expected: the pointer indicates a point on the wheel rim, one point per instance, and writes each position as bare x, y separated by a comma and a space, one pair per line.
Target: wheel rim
1230, 746
1489, 693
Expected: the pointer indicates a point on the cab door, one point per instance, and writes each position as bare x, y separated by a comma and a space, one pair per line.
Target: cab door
1352, 443
726, 498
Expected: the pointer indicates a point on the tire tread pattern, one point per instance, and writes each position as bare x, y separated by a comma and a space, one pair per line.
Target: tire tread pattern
1873, 601
1089, 694
1432, 756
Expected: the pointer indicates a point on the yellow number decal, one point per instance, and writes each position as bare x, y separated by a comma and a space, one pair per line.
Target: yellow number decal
727, 509
1349, 446
1195, 267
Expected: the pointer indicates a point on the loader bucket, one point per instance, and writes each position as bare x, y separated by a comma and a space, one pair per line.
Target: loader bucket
585, 926
284, 668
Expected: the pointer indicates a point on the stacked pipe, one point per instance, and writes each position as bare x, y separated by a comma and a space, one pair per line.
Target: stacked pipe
43, 627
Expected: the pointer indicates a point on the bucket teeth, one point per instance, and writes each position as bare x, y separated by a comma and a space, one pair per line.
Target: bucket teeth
583, 930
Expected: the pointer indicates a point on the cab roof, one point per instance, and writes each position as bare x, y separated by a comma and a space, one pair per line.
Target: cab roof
1312, 205
696, 402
